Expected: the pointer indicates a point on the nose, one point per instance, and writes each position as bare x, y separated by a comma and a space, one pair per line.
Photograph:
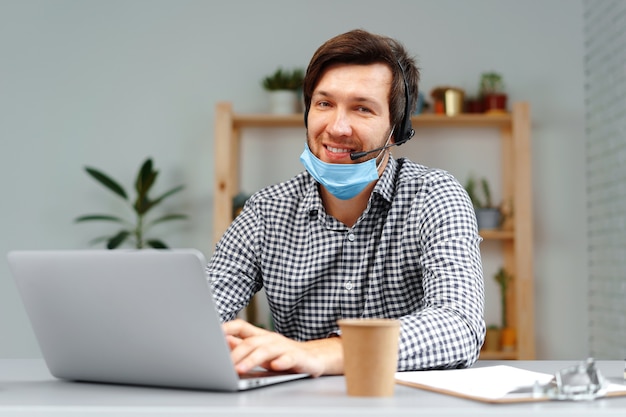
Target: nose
339, 124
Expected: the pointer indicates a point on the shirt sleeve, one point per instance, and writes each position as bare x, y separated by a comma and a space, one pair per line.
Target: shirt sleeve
448, 329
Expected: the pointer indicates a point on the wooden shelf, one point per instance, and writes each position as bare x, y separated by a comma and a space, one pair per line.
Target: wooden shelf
517, 239
423, 120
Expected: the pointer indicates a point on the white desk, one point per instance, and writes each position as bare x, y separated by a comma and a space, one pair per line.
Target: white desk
27, 389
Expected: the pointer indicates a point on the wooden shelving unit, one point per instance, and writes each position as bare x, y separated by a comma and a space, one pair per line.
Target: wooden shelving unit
517, 241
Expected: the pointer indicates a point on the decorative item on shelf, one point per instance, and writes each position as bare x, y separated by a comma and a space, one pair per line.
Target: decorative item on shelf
140, 206
488, 216
507, 333
448, 100
474, 105
284, 88
492, 92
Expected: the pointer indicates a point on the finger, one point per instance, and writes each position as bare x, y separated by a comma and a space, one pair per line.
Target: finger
232, 341
241, 329
284, 362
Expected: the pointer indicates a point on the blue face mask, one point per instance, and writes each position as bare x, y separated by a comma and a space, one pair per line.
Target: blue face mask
344, 181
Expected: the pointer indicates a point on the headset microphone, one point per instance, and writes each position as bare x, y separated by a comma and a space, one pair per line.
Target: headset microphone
358, 155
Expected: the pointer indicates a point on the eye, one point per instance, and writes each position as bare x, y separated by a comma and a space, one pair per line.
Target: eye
363, 109
323, 104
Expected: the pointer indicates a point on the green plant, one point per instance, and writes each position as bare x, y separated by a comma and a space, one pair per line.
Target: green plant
491, 83
479, 201
142, 204
284, 80
503, 279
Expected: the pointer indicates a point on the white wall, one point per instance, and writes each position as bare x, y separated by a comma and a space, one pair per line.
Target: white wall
108, 83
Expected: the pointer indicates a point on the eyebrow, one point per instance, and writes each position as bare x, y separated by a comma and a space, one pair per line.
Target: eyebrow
359, 99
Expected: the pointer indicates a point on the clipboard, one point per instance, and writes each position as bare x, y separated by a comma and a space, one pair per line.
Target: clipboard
497, 384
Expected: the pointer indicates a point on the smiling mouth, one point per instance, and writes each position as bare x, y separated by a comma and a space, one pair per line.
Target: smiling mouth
338, 150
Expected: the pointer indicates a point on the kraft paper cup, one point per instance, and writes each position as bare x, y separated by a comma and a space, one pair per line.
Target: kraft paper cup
370, 356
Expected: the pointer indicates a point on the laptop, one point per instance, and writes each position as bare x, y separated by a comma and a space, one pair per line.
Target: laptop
139, 317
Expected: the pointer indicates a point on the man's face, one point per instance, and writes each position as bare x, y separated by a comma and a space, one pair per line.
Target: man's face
349, 112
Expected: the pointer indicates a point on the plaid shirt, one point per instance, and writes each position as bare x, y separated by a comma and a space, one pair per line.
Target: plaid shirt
413, 254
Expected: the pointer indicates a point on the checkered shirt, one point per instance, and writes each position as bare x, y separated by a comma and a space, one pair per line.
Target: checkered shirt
413, 254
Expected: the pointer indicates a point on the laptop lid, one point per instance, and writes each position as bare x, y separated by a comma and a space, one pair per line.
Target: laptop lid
144, 317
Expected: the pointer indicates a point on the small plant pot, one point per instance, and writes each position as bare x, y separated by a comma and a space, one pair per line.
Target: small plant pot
283, 102
494, 103
488, 218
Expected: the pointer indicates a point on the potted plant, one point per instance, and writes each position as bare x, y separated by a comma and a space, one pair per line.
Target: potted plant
507, 333
492, 92
488, 216
141, 205
284, 87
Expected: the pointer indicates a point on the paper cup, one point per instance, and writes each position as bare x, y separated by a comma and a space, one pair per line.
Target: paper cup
370, 356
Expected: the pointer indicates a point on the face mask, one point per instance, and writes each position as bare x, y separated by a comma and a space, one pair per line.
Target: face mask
344, 181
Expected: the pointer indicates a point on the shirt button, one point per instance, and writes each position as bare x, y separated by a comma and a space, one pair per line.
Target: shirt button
348, 285
351, 237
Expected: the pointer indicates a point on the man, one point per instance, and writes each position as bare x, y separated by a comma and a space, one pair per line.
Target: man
359, 234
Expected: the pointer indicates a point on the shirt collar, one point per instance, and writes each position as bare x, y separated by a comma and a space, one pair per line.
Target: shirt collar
386, 183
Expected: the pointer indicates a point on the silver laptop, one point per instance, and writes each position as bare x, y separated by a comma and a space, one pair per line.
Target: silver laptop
142, 317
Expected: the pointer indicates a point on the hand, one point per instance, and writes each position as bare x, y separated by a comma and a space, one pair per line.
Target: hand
252, 346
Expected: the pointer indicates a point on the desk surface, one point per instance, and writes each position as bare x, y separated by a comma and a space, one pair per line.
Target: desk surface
27, 389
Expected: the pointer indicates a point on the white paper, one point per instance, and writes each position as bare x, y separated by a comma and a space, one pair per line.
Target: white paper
491, 382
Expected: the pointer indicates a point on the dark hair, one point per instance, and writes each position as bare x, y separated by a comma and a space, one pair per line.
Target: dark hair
362, 48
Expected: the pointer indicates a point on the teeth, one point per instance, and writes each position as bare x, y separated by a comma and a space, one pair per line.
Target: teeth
337, 150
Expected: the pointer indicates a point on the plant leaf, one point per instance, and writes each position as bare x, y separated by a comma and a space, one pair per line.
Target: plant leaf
104, 217
118, 239
145, 178
143, 206
156, 244
167, 194
486, 192
166, 218
107, 181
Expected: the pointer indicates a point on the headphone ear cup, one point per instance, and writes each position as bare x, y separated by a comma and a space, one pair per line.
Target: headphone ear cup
406, 129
